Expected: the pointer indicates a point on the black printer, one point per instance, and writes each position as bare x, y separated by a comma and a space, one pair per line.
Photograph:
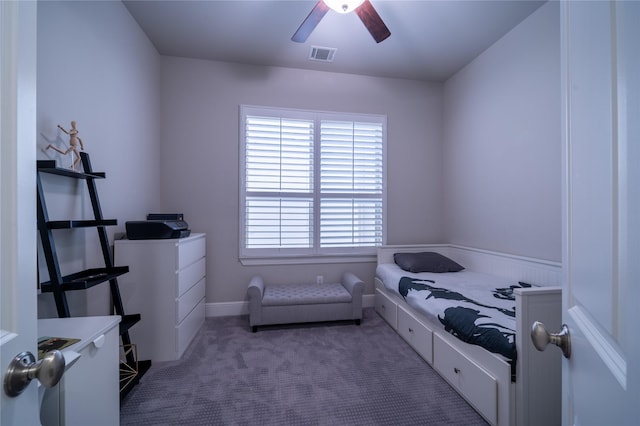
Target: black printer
159, 227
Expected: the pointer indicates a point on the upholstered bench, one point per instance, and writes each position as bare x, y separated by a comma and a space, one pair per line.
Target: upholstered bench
296, 303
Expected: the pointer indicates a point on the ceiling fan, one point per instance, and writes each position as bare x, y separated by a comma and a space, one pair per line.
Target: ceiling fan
363, 8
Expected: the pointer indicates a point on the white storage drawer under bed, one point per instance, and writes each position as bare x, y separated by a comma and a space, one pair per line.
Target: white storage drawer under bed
475, 384
387, 308
416, 333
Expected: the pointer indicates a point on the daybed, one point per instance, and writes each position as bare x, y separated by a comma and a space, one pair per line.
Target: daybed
499, 372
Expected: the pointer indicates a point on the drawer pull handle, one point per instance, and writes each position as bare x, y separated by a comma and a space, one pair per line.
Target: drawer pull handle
99, 341
456, 370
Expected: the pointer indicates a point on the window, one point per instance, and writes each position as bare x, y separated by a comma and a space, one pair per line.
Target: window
312, 183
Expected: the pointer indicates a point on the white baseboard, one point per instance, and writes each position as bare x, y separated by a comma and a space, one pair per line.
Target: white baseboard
226, 309
232, 309
368, 300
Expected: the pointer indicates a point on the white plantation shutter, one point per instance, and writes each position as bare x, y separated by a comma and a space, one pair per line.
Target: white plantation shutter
311, 183
350, 223
278, 222
279, 155
350, 184
279, 182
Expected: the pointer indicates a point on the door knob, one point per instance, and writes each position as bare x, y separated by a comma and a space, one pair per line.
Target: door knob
541, 338
24, 368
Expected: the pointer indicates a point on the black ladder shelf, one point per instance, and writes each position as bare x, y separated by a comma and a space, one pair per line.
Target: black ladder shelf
131, 369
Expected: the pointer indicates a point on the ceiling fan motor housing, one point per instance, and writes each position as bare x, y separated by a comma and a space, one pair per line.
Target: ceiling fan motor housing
363, 8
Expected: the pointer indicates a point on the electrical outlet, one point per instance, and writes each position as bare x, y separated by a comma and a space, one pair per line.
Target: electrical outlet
319, 279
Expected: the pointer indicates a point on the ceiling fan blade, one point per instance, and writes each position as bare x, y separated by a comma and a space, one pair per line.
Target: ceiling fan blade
310, 22
372, 21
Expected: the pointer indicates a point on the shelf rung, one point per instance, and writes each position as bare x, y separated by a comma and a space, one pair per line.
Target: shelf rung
49, 166
85, 279
69, 224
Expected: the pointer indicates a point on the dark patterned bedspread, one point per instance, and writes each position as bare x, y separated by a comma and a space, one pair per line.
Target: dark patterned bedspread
477, 308
476, 320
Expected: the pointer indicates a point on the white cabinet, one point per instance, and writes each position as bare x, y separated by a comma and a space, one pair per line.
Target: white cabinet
88, 393
166, 285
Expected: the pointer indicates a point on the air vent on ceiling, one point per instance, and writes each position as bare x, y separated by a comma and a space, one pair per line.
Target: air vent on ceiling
323, 54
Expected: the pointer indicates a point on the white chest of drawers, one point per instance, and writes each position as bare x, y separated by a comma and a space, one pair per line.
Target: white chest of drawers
166, 285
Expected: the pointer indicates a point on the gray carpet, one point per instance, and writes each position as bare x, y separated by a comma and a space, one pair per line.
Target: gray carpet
320, 374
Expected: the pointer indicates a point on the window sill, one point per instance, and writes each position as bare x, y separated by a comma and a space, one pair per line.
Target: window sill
302, 260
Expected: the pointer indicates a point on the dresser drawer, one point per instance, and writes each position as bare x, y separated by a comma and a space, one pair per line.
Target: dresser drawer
387, 308
190, 250
187, 329
189, 276
189, 300
477, 386
417, 334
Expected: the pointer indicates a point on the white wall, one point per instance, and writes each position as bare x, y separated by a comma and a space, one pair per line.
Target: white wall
200, 148
475, 161
502, 143
96, 66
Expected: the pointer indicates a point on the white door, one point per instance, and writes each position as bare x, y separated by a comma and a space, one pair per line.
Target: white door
17, 201
601, 245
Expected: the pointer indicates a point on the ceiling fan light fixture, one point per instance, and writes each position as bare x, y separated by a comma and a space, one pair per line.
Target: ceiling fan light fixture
363, 8
343, 6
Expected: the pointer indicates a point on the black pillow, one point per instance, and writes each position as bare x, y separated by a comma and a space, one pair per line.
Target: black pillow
426, 262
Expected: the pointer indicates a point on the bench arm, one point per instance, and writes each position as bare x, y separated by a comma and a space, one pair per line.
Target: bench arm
355, 286
255, 292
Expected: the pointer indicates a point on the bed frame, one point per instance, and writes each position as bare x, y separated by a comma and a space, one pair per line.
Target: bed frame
482, 378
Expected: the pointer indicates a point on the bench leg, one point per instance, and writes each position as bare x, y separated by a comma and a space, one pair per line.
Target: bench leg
357, 322
254, 328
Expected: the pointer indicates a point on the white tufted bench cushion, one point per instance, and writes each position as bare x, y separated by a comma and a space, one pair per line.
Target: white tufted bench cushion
304, 294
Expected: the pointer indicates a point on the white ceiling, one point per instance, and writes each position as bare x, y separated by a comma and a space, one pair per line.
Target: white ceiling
430, 39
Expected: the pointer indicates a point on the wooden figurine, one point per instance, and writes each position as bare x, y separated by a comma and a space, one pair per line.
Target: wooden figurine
75, 143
